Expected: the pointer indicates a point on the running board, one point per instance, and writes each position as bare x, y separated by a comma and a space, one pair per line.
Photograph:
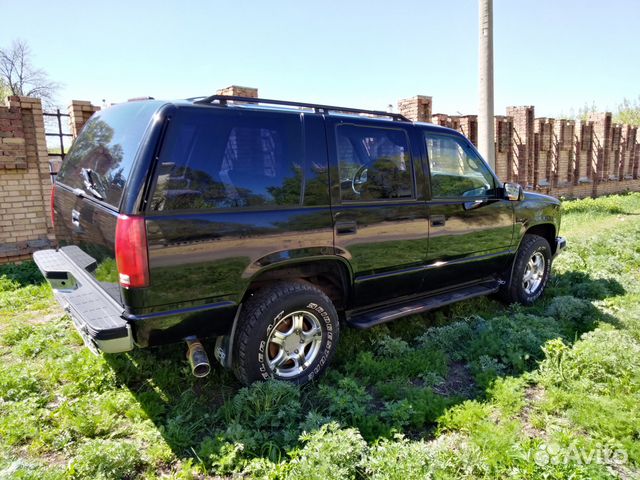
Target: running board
371, 318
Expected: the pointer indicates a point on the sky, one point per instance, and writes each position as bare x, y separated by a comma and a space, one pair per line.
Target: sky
555, 54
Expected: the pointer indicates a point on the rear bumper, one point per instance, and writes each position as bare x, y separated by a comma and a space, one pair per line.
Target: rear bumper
96, 316
561, 244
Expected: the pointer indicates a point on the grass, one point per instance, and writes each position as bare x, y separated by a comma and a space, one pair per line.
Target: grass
475, 390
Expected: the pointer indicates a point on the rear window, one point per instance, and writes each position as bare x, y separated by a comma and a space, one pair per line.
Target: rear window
101, 158
230, 159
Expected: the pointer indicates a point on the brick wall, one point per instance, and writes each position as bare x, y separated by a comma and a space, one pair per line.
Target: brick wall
560, 157
566, 158
25, 182
574, 159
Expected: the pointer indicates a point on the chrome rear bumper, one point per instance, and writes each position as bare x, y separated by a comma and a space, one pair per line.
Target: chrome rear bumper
96, 316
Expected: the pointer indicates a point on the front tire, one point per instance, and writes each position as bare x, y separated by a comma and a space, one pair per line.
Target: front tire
530, 271
287, 331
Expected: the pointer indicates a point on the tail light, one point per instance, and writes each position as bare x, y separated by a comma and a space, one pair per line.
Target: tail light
53, 213
132, 257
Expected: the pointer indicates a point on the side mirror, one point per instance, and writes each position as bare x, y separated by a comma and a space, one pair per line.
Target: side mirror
513, 192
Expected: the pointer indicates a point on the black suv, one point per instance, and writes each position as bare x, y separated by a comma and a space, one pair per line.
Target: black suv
272, 224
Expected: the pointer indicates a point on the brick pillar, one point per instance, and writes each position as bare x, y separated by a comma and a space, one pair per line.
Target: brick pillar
13, 152
523, 138
79, 112
544, 168
453, 122
238, 91
563, 152
636, 163
37, 155
416, 109
616, 168
25, 182
469, 127
602, 137
441, 119
504, 147
584, 152
628, 151
444, 120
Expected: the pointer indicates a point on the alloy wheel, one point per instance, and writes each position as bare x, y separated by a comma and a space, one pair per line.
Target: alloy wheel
294, 344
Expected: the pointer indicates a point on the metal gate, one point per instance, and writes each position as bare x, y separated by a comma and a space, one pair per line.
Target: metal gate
58, 138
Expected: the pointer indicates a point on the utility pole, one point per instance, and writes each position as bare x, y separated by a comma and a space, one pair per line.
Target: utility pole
486, 137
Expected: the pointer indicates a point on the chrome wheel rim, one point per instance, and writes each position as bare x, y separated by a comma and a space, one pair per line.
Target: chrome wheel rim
533, 273
294, 344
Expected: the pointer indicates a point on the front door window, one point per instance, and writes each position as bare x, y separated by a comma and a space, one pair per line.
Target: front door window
456, 169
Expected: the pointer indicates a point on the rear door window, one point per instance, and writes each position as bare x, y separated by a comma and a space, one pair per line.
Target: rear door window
230, 159
101, 158
375, 163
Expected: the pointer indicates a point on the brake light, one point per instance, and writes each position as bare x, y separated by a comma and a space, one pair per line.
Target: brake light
53, 213
132, 258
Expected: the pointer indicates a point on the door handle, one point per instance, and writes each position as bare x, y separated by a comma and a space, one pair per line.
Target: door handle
75, 218
437, 220
473, 204
346, 228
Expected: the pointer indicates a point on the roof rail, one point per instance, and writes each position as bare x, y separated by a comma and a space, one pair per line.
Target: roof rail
223, 99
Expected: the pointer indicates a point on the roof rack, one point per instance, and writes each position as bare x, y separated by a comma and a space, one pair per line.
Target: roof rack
223, 99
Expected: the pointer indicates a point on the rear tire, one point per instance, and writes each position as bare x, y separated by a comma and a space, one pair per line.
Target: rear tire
530, 272
288, 331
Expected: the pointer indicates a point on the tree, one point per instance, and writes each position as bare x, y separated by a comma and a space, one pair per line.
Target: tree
584, 112
4, 91
18, 76
628, 112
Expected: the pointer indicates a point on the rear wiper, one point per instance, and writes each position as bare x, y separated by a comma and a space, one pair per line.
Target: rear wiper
87, 178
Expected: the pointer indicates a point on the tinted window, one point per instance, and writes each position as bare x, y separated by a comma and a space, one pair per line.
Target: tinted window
316, 181
374, 163
456, 169
107, 146
226, 159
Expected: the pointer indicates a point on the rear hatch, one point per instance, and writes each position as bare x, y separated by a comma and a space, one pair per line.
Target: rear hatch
90, 185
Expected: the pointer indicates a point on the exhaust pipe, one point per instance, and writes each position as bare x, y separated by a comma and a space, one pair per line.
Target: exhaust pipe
197, 357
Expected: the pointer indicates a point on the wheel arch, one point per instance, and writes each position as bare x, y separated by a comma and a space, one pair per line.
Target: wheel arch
544, 230
332, 275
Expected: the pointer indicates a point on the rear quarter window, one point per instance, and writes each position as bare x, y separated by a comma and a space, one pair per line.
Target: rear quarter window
107, 145
230, 159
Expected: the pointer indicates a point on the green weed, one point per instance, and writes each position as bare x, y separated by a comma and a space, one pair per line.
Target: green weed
613, 204
105, 459
328, 453
398, 459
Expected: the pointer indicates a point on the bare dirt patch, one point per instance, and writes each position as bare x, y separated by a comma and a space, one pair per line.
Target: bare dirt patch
459, 382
